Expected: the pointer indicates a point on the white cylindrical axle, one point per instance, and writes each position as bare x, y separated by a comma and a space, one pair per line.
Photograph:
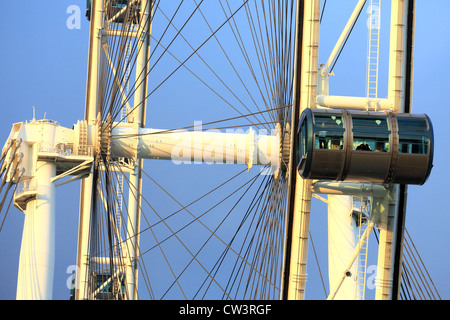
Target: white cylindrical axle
196, 146
37, 254
357, 103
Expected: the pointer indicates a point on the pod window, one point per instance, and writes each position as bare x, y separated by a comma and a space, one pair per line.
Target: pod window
329, 132
413, 136
371, 134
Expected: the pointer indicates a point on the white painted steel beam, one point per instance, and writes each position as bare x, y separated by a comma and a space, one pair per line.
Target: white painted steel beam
137, 116
305, 92
386, 252
302, 197
120, 33
93, 73
91, 110
397, 59
396, 94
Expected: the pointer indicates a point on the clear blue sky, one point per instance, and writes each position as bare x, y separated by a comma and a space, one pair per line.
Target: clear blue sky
43, 64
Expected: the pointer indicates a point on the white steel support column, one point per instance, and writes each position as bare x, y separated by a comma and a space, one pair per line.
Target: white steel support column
138, 115
92, 96
389, 233
397, 54
93, 78
302, 201
133, 228
386, 224
83, 238
305, 92
37, 253
142, 61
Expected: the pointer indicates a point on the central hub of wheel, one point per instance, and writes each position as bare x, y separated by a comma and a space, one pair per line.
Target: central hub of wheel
104, 138
284, 134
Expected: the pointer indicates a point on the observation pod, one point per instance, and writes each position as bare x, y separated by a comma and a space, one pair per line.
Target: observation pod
364, 146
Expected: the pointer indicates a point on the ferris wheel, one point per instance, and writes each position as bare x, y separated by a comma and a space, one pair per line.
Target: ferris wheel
237, 223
